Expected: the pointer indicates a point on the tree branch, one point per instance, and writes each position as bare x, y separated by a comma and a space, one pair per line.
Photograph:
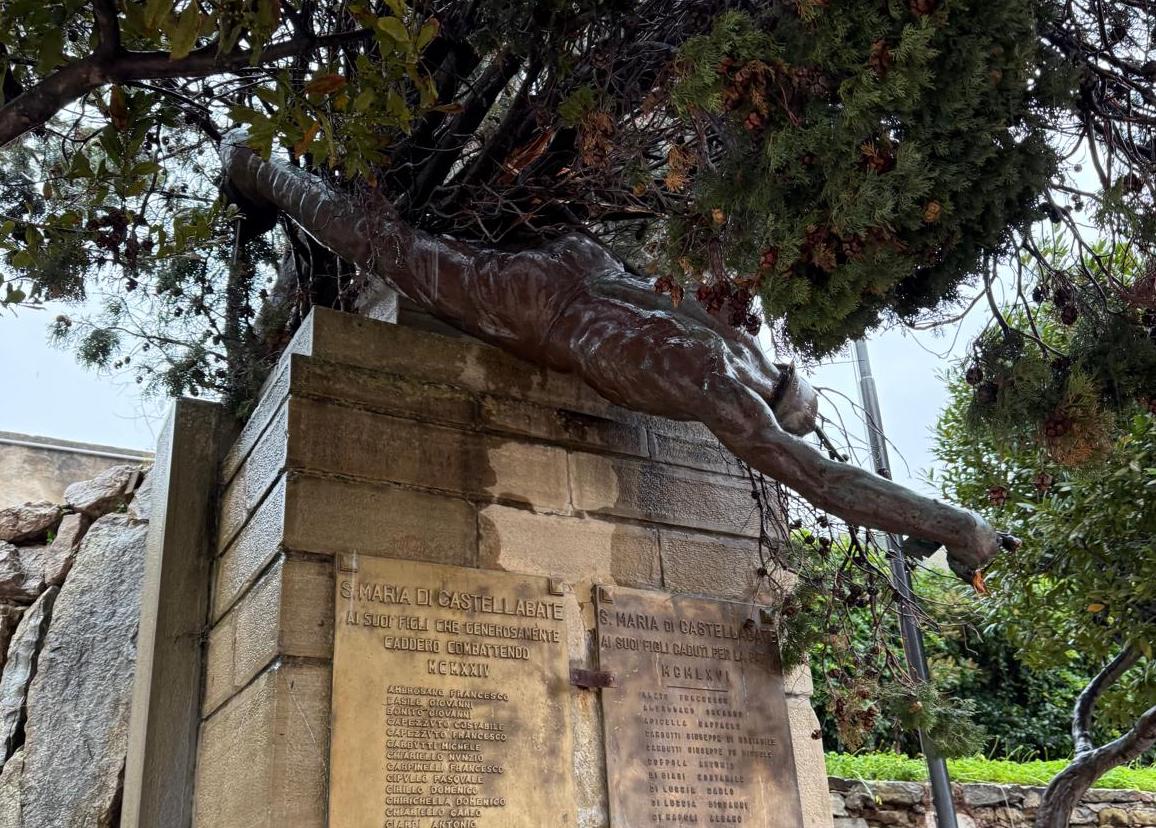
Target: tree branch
40, 102
1090, 763
1082, 713
107, 28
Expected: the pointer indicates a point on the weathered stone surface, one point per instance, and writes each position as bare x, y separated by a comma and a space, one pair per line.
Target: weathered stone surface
908, 804
19, 668
838, 806
330, 516
29, 522
10, 812
663, 494
60, 554
81, 691
105, 493
288, 612
985, 795
699, 454
331, 438
20, 578
810, 765
710, 565
262, 757
141, 505
10, 616
574, 549
624, 435
898, 793
1144, 816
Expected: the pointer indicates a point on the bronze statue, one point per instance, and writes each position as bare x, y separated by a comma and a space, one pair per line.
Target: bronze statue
571, 305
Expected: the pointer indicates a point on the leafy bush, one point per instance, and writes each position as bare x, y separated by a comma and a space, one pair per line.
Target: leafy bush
897, 767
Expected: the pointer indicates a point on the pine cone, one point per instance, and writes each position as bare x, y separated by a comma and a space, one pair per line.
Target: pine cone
997, 496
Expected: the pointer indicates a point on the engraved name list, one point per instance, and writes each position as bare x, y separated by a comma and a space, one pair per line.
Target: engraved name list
449, 687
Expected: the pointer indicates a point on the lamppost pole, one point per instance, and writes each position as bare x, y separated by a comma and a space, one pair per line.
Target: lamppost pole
908, 626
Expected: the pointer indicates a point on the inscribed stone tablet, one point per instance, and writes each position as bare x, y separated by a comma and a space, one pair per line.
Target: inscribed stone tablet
450, 699
696, 721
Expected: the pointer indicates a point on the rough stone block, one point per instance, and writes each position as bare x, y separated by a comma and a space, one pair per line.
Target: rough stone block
251, 551
710, 565
30, 522
978, 795
574, 549
21, 576
253, 479
10, 615
264, 755
400, 396
623, 435
288, 612
339, 440
82, 690
11, 814
105, 493
838, 806
61, 553
662, 494
1144, 816
898, 793
459, 361
19, 667
332, 516
696, 453
810, 765
269, 402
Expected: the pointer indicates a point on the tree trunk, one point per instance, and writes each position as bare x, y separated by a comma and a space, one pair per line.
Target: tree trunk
1066, 790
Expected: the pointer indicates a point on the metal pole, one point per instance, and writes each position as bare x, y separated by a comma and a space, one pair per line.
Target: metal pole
909, 628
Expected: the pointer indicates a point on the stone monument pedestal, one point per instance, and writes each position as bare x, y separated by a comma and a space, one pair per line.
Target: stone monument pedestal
377, 441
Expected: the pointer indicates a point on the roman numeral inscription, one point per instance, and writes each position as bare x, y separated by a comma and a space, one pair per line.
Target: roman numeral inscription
696, 719
450, 699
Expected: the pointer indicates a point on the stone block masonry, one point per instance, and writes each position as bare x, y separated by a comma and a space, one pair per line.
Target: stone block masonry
908, 805
381, 440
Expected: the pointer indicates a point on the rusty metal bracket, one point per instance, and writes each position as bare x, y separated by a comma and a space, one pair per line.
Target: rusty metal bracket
591, 679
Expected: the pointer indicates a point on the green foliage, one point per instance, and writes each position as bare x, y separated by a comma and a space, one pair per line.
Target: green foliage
987, 699
841, 618
897, 767
1056, 376
1082, 497
879, 155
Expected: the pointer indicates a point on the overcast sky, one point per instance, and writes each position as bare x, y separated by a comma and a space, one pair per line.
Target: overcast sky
43, 391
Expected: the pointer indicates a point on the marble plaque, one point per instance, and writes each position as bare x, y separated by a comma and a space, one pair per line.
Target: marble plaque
696, 717
450, 699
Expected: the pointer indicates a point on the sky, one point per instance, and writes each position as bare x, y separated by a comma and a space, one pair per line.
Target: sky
45, 392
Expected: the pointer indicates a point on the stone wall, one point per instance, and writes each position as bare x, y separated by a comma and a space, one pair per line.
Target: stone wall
383, 440
40, 468
70, 578
888, 804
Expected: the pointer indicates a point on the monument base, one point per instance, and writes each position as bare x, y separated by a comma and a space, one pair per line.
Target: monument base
376, 441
